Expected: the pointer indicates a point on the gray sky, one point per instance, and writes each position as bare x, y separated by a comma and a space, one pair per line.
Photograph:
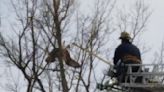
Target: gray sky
152, 37
155, 33
155, 28
156, 25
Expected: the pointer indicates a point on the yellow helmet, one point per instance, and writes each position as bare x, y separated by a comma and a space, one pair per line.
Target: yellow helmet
125, 35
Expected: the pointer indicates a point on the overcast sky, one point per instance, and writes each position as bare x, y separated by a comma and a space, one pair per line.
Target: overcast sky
152, 37
155, 28
155, 33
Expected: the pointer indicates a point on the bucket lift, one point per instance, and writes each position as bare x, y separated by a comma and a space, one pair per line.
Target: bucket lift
151, 79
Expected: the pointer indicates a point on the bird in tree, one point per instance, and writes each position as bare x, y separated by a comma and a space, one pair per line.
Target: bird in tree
55, 53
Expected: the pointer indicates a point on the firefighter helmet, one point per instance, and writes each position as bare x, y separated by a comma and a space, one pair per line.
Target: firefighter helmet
125, 35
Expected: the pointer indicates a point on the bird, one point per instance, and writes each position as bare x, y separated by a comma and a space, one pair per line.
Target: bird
55, 53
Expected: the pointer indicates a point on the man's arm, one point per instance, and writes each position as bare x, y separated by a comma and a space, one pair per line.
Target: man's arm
116, 56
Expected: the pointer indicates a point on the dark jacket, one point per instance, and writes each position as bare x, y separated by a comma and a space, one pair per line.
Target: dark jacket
126, 48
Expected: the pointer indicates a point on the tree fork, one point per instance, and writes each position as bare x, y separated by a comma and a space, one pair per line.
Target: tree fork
59, 41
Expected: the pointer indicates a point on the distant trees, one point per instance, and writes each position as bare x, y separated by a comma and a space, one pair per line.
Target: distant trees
42, 26
135, 20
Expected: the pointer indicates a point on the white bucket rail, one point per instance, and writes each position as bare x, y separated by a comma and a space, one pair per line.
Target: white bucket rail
152, 76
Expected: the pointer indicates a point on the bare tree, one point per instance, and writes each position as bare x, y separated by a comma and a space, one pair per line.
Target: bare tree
158, 59
135, 20
22, 51
40, 36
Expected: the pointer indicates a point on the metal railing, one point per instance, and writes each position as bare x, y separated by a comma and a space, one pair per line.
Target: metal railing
152, 75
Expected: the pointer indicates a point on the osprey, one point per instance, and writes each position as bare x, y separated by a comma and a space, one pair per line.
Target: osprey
65, 56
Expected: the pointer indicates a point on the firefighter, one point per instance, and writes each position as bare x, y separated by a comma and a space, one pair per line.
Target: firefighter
126, 53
